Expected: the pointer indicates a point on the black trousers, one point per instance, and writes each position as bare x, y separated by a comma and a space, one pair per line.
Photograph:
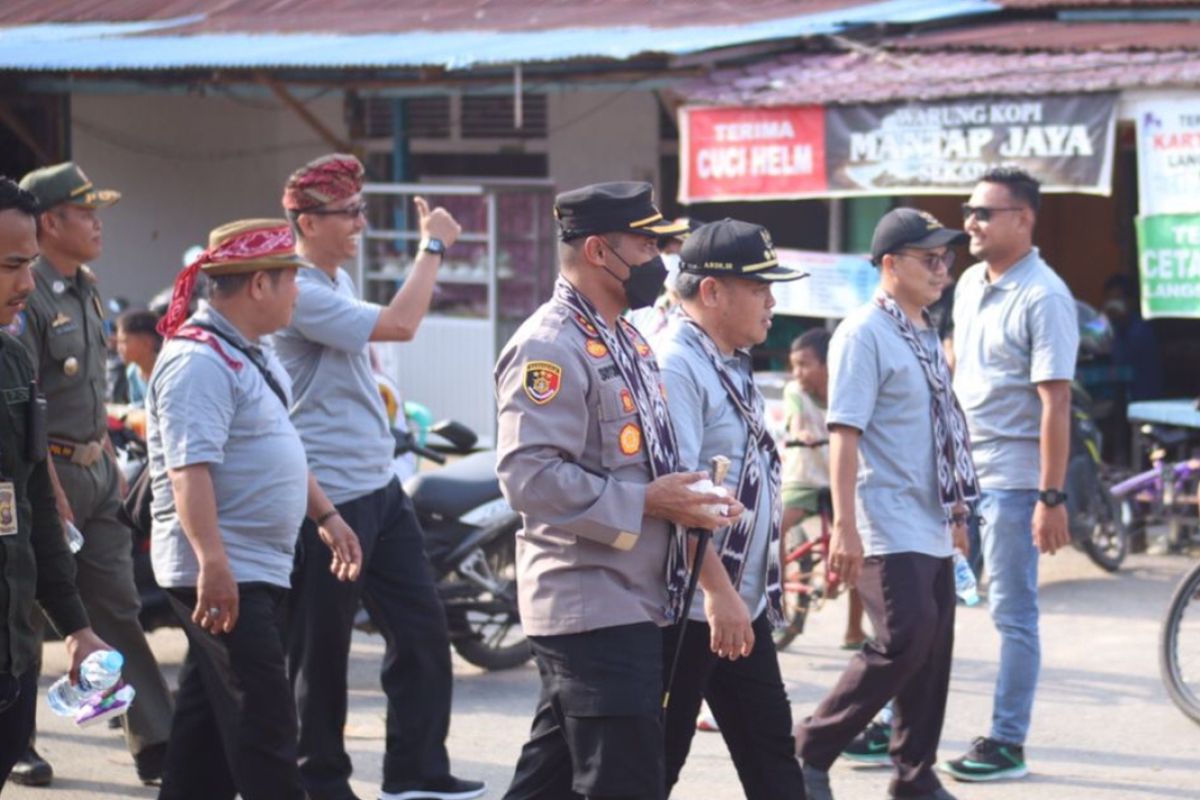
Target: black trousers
909, 598
234, 730
397, 588
597, 731
18, 701
750, 705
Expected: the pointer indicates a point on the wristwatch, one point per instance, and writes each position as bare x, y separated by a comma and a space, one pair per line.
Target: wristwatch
1052, 497
433, 245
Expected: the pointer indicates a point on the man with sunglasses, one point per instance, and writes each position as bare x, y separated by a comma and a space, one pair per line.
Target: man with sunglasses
898, 517
1015, 341
342, 421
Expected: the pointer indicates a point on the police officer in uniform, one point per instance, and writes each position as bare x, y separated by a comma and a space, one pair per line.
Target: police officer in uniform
35, 563
63, 330
586, 454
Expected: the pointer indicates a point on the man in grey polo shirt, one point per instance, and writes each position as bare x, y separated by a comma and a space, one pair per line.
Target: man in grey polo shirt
230, 488
341, 418
1015, 341
894, 423
727, 654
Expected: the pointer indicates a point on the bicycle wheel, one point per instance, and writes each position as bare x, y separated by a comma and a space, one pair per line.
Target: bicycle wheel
796, 602
1179, 646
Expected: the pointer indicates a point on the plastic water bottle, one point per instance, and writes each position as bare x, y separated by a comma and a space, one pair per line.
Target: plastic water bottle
99, 672
964, 581
74, 537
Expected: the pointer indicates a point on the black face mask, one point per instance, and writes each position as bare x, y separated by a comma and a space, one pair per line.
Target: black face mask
645, 280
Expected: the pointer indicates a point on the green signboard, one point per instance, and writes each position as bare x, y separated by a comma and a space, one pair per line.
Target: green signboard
1169, 265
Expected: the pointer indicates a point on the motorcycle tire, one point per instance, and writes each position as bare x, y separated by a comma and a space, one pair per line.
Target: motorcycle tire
1107, 543
1184, 604
484, 647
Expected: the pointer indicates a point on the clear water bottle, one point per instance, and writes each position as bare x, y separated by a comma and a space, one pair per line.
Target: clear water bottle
964, 581
74, 537
99, 672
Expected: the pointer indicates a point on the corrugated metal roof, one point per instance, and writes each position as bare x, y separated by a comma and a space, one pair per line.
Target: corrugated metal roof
401, 16
830, 79
420, 36
1056, 35
1050, 4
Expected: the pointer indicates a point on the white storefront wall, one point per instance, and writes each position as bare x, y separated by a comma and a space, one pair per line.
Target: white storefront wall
186, 164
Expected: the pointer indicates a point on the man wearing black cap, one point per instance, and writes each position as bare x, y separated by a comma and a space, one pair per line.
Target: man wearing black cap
891, 406
587, 454
726, 272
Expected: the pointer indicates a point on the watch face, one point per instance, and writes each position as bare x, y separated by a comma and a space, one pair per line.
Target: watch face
1053, 497
435, 246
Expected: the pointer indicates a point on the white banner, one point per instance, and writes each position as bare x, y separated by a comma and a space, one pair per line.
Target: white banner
1168, 135
836, 284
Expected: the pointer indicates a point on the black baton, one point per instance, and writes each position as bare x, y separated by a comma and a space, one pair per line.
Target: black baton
718, 467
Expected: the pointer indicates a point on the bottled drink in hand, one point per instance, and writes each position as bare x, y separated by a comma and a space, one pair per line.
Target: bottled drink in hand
98, 673
964, 581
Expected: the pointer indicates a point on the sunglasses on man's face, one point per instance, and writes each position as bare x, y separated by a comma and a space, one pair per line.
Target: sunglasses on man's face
352, 212
984, 213
930, 261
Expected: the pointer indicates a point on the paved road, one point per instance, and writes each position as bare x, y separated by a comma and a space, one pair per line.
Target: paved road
1103, 728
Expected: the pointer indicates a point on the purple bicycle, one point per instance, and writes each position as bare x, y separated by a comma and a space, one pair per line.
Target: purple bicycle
1164, 494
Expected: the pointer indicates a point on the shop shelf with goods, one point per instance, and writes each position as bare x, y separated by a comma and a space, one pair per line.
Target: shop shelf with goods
501, 268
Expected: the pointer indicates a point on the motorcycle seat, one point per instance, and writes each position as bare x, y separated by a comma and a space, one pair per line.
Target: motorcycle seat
456, 488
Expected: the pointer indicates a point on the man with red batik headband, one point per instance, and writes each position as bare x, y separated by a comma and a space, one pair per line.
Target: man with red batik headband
341, 418
230, 488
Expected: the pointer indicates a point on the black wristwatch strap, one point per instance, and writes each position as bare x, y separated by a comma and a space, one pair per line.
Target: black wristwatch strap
1052, 497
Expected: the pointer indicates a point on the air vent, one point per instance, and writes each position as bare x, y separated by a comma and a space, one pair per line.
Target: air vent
428, 117
491, 117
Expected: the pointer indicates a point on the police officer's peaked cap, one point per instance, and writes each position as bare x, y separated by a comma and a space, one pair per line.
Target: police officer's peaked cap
911, 227
619, 207
732, 248
66, 183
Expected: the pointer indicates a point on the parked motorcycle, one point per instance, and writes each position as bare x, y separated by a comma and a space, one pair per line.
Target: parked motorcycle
470, 537
1094, 516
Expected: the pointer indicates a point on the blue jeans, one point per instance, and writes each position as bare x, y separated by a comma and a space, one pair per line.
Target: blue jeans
1011, 561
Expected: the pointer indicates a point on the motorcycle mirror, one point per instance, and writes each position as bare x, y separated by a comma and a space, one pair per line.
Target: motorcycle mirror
457, 434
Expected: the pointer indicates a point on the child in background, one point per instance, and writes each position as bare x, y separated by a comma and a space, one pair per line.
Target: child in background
806, 469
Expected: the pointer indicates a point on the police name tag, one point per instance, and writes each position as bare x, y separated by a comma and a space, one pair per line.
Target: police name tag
8, 509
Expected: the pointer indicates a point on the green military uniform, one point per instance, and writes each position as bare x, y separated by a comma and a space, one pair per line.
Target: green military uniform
62, 327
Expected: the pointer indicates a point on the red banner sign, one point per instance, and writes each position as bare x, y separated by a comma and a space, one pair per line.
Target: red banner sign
763, 153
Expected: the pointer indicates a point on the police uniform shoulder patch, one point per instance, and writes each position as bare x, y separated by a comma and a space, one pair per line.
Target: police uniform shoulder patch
17, 326
596, 348
630, 439
542, 381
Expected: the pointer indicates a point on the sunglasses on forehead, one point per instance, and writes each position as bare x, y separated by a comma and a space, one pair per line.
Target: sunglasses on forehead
984, 213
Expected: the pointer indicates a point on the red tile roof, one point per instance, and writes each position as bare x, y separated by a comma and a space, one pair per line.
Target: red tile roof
1055, 35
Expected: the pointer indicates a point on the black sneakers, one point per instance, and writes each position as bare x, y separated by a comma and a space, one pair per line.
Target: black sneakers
988, 760
870, 746
448, 788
